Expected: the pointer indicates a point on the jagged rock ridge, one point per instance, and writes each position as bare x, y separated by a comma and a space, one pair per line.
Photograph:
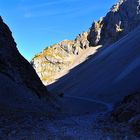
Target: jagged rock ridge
119, 21
122, 18
59, 57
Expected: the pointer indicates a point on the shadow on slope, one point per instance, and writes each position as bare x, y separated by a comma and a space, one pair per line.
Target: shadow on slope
109, 75
71, 104
59, 85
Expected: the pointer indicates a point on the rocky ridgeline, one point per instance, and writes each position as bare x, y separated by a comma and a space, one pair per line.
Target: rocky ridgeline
15, 67
119, 21
122, 18
58, 57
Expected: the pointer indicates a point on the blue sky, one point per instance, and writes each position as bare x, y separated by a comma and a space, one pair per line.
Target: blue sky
36, 24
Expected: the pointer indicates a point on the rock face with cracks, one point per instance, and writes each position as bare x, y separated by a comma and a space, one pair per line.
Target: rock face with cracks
58, 57
122, 18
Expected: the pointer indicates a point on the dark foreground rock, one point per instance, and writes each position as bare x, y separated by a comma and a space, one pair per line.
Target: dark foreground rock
20, 86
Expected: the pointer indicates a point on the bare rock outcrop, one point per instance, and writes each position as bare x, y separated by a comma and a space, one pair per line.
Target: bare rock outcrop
58, 57
122, 18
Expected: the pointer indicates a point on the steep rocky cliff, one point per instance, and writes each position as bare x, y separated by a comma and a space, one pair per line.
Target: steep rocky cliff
122, 18
15, 66
20, 86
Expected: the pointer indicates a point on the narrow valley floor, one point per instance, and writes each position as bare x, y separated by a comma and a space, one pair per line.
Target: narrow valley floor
80, 125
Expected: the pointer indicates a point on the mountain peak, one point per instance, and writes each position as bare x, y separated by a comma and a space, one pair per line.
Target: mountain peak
116, 7
119, 21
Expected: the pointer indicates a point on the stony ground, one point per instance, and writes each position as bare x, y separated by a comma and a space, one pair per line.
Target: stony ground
33, 126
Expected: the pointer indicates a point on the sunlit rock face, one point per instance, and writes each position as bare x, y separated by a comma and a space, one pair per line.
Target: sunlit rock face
122, 18
58, 57
15, 67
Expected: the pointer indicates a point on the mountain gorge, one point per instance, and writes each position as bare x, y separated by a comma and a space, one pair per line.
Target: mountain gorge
91, 84
110, 72
105, 51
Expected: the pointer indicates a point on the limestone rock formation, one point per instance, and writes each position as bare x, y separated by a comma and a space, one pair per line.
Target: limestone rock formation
122, 18
58, 57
